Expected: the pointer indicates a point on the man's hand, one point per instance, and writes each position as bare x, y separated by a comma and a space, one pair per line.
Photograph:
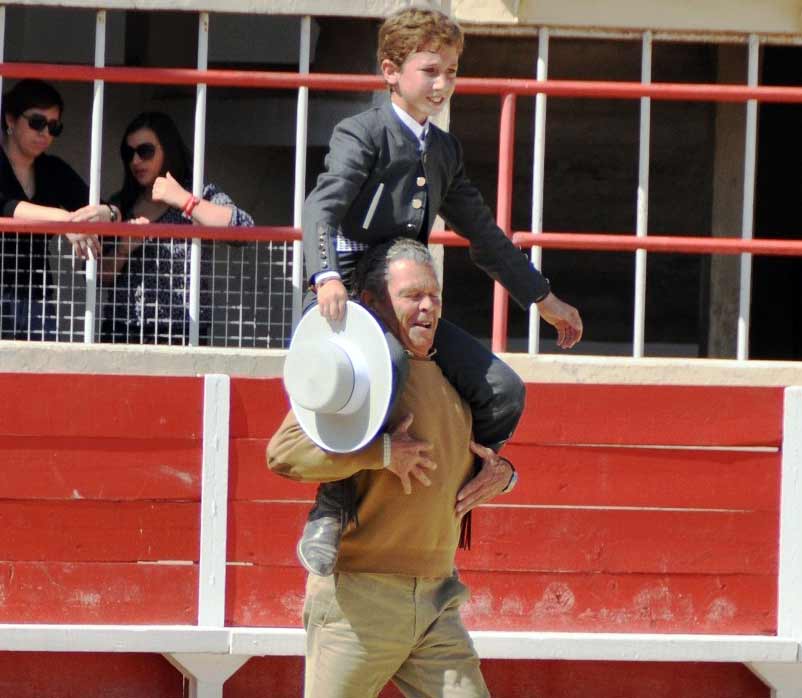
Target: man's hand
331, 298
408, 456
565, 318
488, 482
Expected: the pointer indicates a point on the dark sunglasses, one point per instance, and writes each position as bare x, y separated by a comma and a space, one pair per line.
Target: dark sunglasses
146, 151
39, 122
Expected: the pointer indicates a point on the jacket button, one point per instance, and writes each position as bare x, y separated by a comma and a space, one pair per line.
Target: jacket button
417, 203
420, 181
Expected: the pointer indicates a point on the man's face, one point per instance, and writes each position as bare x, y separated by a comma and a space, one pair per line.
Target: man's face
412, 306
423, 84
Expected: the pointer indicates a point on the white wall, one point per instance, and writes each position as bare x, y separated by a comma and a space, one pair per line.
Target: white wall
762, 16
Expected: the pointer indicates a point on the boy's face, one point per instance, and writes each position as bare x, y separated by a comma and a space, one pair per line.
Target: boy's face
423, 84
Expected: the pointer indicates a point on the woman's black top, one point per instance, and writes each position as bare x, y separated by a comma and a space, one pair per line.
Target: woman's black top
23, 256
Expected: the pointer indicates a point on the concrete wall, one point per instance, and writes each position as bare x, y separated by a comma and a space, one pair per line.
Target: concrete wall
774, 16
36, 357
728, 190
778, 17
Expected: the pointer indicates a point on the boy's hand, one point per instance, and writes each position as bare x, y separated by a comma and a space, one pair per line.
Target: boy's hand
565, 318
331, 298
408, 456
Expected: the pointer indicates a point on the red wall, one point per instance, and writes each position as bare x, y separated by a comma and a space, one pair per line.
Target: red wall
611, 530
81, 675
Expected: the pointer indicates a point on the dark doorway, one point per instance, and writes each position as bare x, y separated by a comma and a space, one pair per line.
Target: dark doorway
776, 315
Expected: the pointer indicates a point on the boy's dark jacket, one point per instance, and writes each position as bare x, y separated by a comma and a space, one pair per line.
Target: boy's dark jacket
374, 157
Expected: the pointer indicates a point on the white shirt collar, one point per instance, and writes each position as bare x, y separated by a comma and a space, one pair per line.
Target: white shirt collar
418, 129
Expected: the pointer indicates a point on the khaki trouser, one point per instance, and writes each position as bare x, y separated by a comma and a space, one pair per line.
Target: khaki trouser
366, 629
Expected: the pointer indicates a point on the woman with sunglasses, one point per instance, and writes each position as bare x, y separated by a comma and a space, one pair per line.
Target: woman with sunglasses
150, 277
37, 186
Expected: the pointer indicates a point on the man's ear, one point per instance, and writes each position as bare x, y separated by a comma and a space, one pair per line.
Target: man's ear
368, 299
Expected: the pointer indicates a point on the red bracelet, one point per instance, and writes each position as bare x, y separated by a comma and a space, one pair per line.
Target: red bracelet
189, 207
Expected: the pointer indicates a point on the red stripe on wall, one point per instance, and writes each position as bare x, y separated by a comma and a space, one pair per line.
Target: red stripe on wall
249, 477
549, 601
556, 679
126, 593
99, 531
606, 602
101, 406
645, 414
265, 596
127, 675
64, 467
258, 406
626, 541
646, 477
578, 540
581, 476
88, 675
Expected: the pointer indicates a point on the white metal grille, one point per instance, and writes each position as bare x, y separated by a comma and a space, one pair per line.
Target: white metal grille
245, 297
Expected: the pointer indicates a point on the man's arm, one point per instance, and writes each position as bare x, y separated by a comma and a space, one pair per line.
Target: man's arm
293, 454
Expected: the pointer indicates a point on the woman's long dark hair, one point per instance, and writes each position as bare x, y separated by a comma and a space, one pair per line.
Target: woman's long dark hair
177, 158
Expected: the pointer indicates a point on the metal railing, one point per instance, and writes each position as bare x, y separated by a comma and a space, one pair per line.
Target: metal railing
605, 242
507, 90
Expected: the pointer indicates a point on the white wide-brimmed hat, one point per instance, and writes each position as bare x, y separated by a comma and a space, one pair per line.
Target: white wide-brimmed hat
339, 377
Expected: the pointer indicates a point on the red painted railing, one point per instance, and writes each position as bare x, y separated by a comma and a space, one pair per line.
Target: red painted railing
506, 88
340, 82
605, 242
608, 242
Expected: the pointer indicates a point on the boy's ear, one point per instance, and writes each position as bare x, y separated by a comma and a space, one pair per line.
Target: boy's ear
390, 71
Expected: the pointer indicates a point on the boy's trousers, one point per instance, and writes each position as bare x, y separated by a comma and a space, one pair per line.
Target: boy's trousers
493, 391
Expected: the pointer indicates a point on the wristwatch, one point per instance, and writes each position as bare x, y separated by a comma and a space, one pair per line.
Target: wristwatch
510, 486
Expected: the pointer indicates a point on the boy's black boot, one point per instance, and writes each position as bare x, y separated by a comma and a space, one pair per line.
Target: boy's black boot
320, 541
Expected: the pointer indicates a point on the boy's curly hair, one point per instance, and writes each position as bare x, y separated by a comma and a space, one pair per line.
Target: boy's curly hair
415, 29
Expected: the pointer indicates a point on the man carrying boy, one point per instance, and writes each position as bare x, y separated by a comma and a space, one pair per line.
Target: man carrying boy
391, 610
389, 173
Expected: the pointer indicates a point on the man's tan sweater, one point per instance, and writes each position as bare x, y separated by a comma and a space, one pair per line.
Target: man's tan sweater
415, 534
